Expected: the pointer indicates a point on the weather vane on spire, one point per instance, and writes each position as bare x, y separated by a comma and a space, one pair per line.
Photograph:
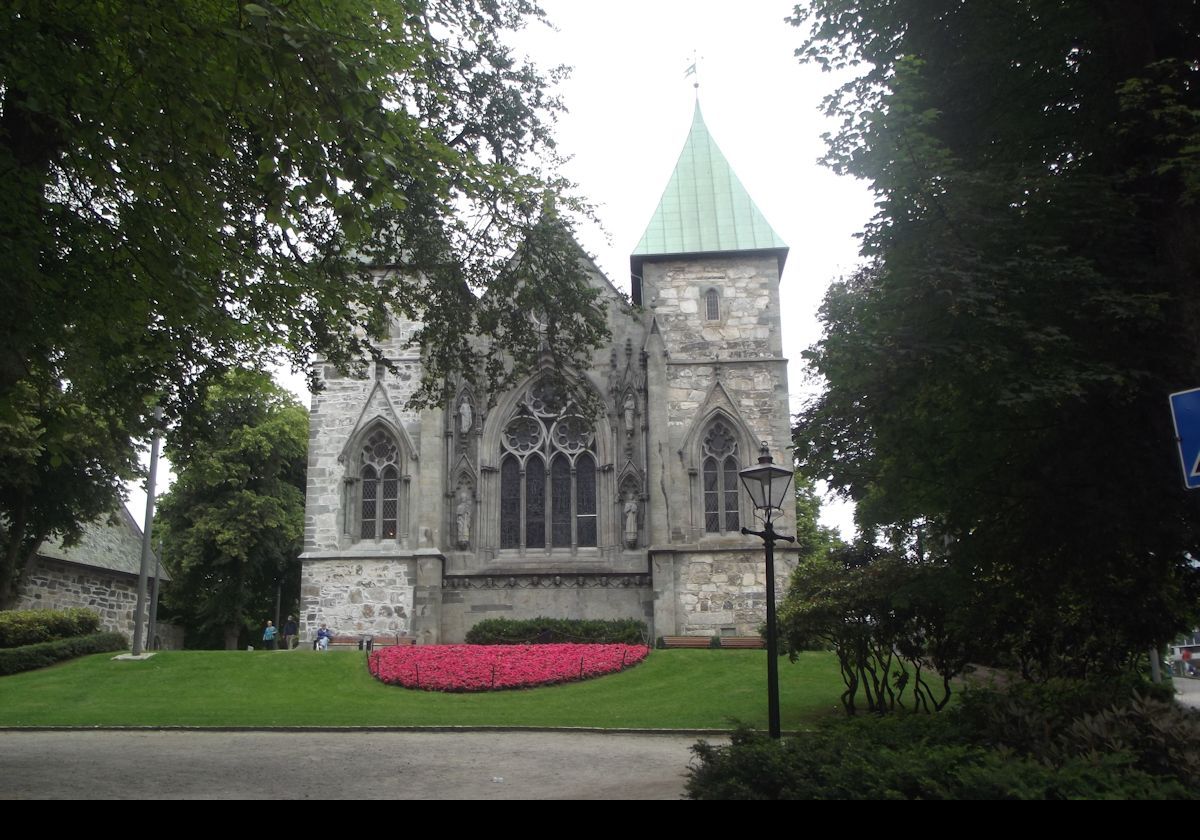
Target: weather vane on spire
693, 72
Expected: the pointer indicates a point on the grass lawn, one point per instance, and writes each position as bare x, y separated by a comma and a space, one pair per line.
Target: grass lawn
672, 689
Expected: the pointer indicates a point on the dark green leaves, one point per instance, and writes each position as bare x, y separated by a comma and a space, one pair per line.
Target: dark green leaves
999, 367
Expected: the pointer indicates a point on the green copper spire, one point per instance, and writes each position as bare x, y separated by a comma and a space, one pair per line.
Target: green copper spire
705, 208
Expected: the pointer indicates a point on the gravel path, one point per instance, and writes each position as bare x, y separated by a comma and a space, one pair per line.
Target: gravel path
342, 765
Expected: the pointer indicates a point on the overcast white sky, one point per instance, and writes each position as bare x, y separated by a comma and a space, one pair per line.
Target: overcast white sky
630, 109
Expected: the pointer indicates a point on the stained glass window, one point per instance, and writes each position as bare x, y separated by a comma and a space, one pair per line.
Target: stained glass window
720, 473
370, 492
510, 503
585, 500
560, 484
729, 485
379, 512
553, 506
391, 493
712, 496
535, 503
712, 305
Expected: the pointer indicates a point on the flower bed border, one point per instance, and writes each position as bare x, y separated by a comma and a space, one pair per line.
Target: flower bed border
476, 668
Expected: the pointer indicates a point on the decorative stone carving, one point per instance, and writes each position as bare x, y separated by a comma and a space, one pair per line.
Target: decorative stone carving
466, 415
462, 517
631, 521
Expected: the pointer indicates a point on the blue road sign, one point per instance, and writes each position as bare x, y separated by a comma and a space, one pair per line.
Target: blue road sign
1185, 409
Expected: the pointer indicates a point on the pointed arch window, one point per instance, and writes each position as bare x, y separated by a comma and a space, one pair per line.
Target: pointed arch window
547, 475
379, 472
719, 466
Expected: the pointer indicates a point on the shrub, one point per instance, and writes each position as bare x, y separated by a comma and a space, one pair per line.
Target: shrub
1062, 739
1029, 717
536, 631
1162, 738
28, 657
907, 757
27, 627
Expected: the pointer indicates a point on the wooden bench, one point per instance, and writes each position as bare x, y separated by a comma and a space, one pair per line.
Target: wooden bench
377, 640
686, 641
753, 642
391, 639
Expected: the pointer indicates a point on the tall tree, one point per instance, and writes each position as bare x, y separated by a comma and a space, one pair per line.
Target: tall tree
233, 522
194, 184
998, 370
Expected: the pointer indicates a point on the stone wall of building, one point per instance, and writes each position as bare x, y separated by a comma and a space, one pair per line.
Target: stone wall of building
347, 403
55, 585
748, 290
357, 595
725, 592
704, 371
469, 600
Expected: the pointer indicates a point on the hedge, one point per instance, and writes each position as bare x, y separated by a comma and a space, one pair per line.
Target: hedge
1030, 742
26, 658
28, 627
830, 765
540, 631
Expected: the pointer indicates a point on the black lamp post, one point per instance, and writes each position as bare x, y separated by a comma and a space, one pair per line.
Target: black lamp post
768, 485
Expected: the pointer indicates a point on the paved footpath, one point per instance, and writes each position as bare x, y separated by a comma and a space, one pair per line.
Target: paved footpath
1187, 691
342, 765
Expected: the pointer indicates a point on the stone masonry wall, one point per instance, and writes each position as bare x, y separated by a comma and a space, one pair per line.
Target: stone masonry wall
333, 418
733, 365
357, 596
722, 590
748, 288
54, 585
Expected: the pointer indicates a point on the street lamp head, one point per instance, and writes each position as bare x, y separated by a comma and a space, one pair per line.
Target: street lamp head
766, 483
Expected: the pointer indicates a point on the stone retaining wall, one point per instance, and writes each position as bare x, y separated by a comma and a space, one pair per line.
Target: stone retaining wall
357, 596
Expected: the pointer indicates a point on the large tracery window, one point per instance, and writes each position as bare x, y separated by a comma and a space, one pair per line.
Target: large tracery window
547, 475
719, 466
380, 475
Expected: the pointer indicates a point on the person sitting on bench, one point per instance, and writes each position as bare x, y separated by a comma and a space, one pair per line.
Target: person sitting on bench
324, 637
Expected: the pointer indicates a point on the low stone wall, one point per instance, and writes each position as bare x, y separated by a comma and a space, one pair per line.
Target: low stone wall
57, 585
469, 600
357, 596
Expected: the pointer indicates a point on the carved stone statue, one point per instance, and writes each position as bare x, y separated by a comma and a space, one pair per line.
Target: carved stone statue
462, 518
465, 415
631, 522
629, 406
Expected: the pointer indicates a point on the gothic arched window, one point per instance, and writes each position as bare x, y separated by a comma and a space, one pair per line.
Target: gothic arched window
547, 475
719, 466
379, 508
712, 305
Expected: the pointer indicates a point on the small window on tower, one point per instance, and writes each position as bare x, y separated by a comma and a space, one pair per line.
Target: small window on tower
712, 302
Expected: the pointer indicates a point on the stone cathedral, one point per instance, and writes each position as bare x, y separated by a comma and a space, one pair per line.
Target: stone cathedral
426, 522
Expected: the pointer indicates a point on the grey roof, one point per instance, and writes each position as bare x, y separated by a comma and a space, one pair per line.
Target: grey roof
106, 544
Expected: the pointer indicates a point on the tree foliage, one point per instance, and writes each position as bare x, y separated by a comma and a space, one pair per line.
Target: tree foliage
233, 522
997, 372
198, 184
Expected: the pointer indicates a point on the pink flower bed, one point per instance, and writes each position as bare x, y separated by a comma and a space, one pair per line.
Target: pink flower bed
488, 667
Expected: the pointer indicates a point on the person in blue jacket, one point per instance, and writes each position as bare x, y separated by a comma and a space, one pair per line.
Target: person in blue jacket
269, 635
324, 637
